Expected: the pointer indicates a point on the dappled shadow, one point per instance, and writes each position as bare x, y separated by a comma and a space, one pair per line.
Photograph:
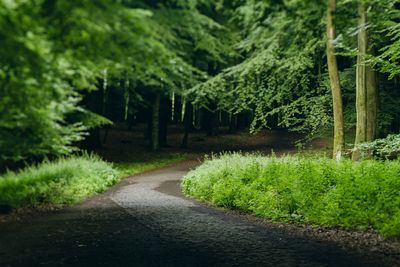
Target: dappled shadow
168, 231
108, 236
145, 221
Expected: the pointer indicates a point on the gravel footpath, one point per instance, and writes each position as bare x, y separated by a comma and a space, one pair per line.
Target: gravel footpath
145, 221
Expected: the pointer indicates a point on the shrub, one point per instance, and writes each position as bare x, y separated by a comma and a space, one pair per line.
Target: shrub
64, 181
386, 148
303, 189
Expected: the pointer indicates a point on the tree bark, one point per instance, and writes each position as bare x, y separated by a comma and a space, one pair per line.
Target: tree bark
361, 82
338, 140
187, 121
163, 122
155, 145
149, 128
366, 87
372, 104
232, 123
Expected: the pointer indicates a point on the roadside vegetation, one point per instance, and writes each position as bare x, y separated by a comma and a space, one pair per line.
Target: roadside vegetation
64, 181
69, 180
303, 189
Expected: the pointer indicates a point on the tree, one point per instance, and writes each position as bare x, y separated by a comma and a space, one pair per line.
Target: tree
35, 95
155, 144
264, 60
193, 34
366, 86
338, 140
280, 71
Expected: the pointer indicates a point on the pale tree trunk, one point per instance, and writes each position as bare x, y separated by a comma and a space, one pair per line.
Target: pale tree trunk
361, 82
372, 104
155, 123
366, 87
338, 141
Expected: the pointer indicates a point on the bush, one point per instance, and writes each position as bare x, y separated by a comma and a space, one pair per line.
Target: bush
64, 181
303, 189
387, 148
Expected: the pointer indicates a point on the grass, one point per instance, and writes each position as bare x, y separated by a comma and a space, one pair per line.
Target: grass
70, 180
149, 161
64, 181
303, 189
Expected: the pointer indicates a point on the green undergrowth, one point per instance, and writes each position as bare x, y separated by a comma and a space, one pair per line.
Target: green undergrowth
64, 181
303, 189
70, 180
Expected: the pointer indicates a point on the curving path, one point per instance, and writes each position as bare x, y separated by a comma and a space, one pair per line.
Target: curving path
145, 221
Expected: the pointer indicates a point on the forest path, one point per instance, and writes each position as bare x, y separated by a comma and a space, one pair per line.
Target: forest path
145, 221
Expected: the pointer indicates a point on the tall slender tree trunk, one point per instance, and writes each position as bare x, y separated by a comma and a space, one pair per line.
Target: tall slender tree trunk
338, 140
232, 123
155, 145
372, 103
361, 82
366, 87
149, 127
163, 122
187, 121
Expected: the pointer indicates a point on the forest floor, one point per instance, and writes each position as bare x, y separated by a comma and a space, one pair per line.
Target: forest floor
145, 221
122, 145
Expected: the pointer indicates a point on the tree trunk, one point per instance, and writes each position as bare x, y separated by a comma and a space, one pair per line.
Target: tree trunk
361, 82
372, 103
210, 120
367, 87
149, 127
155, 145
232, 123
187, 121
163, 122
338, 141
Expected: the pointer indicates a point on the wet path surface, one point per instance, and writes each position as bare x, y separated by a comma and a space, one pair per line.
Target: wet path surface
145, 222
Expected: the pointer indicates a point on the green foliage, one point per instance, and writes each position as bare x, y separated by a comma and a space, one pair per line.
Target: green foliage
91, 120
264, 57
302, 189
385, 16
282, 71
71, 180
386, 148
54, 51
34, 96
65, 181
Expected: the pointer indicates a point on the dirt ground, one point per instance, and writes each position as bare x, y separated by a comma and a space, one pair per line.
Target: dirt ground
123, 145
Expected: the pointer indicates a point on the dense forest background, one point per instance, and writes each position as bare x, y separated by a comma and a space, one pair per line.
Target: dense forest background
71, 68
